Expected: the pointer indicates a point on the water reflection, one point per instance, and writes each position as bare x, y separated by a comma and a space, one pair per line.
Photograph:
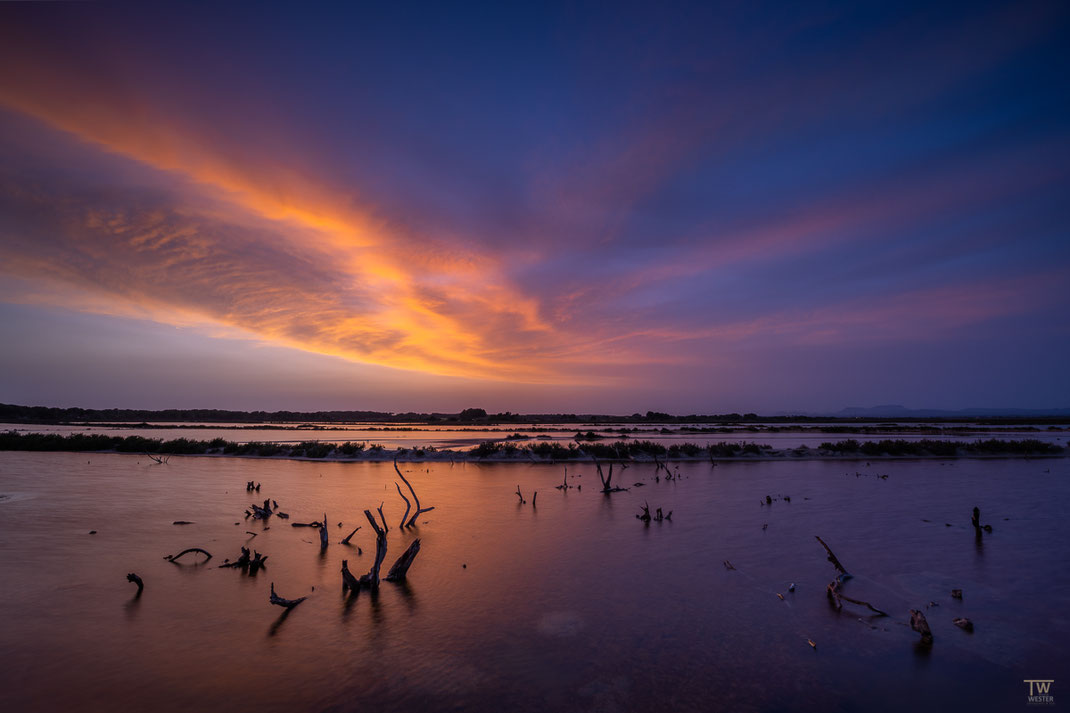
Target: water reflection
572, 604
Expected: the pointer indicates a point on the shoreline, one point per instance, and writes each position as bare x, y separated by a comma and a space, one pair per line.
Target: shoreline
448, 456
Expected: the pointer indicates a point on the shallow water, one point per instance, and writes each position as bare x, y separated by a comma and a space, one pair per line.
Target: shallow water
467, 437
573, 605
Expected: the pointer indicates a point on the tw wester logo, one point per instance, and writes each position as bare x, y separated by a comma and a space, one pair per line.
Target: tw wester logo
1040, 691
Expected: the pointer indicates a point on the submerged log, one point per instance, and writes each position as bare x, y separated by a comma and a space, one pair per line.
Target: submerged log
206, 553
961, 622
835, 596
401, 566
347, 538
645, 516
349, 582
242, 561
920, 625
285, 603
136, 580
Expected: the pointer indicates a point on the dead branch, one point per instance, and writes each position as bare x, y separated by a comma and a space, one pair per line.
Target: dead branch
285, 603
607, 481
242, 561
408, 505
347, 538
832, 558
349, 582
383, 517
401, 566
323, 533
534, 497
161, 460
183, 522
206, 553
645, 517
835, 596
415, 497
371, 579
136, 580
522, 500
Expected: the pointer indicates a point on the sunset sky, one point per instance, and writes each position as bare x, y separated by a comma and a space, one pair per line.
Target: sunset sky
595, 208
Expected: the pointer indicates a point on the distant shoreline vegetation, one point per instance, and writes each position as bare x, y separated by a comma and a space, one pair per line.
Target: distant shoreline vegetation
540, 452
12, 413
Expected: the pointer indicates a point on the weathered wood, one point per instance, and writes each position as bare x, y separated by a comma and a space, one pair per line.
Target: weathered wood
256, 562
159, 459
520, 496
607, 480
416, 499
136, 580
401, 566
920, 625
645, 517
835, 596
349, 582
206, 553
371, 579
408, 505
242, 561
832, 557
285, 603
323, 533
183, 522
383, 517
534, 497
347, 538
963, 623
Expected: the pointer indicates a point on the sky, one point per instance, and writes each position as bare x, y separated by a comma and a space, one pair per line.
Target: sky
597, 208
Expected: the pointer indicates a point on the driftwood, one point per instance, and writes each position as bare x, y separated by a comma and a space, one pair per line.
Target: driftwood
564, 482
835, 596
607, 481
645, 516
159, 459
415, 497
183, 522
173, 558
136, 580
347, 538
918, 624
305, 524
242, 561
408, 505
832, 558
383, 517
401, 566
534, 497
371, 579
349, 582
961, 622
261, 512
285, 603
833, 590
522, 500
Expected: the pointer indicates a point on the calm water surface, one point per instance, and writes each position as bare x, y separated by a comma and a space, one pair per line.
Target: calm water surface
573, 605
